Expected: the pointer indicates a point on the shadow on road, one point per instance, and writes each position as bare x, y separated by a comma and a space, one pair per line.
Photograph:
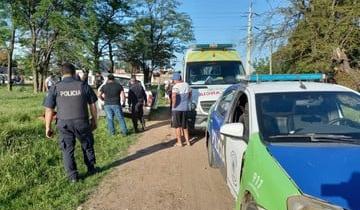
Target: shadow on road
196, 138
158, 124
139, 154
161, 113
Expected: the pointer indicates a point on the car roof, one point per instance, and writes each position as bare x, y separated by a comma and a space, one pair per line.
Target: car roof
291, 86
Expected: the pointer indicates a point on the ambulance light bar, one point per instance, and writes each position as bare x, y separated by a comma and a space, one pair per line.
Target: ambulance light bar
212, 46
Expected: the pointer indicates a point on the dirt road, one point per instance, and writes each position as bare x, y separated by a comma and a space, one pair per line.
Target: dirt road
158, 176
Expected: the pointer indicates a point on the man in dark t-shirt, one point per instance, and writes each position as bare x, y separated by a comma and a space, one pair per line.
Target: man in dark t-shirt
137, 99
112, 93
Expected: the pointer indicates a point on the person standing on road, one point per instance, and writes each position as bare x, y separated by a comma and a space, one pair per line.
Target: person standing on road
113, 95
181, 96
136, 100
71, 99
168, 91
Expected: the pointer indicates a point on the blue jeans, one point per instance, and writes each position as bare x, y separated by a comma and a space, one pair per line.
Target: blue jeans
111, 111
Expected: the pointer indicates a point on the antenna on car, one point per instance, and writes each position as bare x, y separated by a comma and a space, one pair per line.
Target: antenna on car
302, 85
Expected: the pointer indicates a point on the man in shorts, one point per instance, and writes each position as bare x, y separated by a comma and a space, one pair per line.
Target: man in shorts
180, 97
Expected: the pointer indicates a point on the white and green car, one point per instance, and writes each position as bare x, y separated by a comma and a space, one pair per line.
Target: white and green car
288, 145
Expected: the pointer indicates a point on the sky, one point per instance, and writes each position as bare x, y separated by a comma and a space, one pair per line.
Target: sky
225, 21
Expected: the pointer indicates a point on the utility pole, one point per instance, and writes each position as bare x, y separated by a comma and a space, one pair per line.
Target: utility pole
249, 39
270, 56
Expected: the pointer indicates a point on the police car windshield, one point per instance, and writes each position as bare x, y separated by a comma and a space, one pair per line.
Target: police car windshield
293, 117
214, 73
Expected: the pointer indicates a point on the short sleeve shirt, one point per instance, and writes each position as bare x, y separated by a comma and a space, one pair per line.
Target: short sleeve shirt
182, 91
112, 92
50, 98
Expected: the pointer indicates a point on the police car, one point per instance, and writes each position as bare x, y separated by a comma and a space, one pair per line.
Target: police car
209, 69
285, 142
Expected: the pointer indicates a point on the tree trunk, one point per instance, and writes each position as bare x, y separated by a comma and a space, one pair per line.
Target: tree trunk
342, 65
96, 56
42, 78
10, 55
111, 57
146, 71
34, 63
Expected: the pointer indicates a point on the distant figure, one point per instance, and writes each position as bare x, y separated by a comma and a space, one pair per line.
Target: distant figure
181, 96
49, 81
136, 100
99, 79
168, 90
112, 93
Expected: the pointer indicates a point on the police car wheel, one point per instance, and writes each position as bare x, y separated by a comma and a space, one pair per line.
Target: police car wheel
210, 154
249, 204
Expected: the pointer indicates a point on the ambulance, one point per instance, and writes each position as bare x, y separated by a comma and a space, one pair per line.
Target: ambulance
209, 69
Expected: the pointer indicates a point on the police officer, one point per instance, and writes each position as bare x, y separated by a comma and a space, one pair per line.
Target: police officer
71, 98
136, 100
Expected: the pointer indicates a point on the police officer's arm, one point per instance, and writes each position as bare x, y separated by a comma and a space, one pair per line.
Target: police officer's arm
144, 95
131, 96
49, 113
45, 84
49, 104
91, 100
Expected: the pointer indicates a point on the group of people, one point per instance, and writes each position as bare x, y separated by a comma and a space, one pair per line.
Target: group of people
73, 99
112, 93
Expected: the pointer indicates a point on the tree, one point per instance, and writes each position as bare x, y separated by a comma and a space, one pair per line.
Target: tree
322, 36
156, 35
261, 66
103, 23
7, 31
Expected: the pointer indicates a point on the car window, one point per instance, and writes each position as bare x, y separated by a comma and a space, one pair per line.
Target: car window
240, 113
308, 113
224, 103
215, 72
350, 107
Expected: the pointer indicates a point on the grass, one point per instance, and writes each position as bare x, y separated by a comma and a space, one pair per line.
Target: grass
32, 174
161, 95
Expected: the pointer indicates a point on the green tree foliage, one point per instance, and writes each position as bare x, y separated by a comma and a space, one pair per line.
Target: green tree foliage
261, 66
8, 31
102, 24
85, 32
156, 35
321, 35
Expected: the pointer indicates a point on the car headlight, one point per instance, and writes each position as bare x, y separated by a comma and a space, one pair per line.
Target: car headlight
300, 202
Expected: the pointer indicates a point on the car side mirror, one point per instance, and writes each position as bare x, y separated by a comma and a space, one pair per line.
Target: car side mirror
235, 130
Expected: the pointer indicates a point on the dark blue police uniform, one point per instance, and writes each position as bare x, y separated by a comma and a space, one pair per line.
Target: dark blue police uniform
71, 98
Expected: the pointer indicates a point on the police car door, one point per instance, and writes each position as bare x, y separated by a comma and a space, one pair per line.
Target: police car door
217, 120
235, 135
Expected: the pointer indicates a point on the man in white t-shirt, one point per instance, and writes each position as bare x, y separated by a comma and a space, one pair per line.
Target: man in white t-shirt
49, 81
181, 97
